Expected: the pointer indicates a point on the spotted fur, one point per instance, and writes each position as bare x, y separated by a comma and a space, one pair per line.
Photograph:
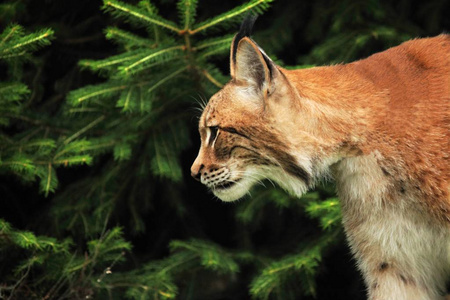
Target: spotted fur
379, 126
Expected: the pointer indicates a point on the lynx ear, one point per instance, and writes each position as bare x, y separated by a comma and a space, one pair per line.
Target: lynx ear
245, 30
248, 62
253, 65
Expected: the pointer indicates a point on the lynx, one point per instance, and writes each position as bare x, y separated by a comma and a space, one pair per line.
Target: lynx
379, 126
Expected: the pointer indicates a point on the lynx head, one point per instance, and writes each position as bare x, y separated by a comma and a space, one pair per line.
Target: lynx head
247, 127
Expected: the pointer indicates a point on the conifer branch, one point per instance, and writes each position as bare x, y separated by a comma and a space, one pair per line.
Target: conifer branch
95, 65
167, 78
74, 160
327, 211
127, 99
84, 129
13, 91
126, 38
94, 92
187, 10
147, 66
13, 55
131, 11
157, 54
10, 32
23, 45
211, 78
215, 51
257, 6
84, 109
41, 38
74, 147
222, 41
49, 179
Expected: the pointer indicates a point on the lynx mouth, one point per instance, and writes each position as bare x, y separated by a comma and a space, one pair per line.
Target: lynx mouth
226, 185
232, 190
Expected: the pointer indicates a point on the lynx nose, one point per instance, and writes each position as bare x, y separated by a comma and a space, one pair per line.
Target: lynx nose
196, 172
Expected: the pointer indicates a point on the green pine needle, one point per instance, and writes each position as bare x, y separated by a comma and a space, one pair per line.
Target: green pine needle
48, 180
233, 16
137, 16
126, 38
12, 91
161, 55
187, 10
211, 256
167, 78
15, 45
112, 63
211, 43
122, 152
327, 211
94, 92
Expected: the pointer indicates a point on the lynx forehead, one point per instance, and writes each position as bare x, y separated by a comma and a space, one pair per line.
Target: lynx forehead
379, 126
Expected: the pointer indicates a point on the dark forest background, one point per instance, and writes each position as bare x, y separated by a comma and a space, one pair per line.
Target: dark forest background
98, 129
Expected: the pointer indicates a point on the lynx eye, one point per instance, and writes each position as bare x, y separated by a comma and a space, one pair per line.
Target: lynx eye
214, 130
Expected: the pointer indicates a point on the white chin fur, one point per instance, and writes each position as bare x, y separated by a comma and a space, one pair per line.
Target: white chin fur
290, 184
234, 192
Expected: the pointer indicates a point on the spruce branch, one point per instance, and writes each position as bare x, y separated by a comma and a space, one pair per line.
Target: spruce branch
12, 91
73, 160
92, 92
163, 163
34, 41
136, 15
328, 212
255, 6
10, 32
187, 11
13, 47
19, 163
161, 55
49, 184
214, 42
84, 129
74, 147
108, 63
126, 38
28, 240
128, 99
122, 152
167, 78
147, 68
210, 255
167, 142
211, 78
303, 264
148, 6
215, 52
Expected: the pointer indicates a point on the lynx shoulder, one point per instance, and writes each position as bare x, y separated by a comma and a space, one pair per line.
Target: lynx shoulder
379, 126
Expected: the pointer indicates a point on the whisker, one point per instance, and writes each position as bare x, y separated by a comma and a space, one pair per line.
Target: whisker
201, 102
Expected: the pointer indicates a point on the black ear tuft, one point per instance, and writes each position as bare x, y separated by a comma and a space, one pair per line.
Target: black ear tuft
245, 30
247, 26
